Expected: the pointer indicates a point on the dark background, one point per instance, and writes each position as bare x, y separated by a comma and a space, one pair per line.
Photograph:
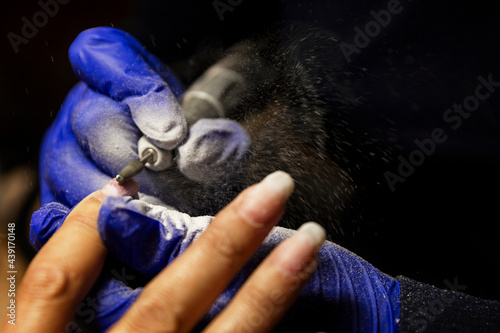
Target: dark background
440, 224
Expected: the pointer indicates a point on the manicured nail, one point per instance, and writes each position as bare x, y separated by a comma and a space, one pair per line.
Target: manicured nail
263, 200
301, 249
313, 232
113, 188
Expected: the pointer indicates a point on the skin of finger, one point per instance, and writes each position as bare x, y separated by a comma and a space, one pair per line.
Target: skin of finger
266, 296
183, 292
62, 272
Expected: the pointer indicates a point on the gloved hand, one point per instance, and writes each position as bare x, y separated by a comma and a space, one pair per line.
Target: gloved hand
345, 294
127, 93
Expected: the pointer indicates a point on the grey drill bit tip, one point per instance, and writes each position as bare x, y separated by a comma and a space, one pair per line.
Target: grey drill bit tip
136, 166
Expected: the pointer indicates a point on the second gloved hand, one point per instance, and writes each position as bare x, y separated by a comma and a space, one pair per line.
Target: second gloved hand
345, 294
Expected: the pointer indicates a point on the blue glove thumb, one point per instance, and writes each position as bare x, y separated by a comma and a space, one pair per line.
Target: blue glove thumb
215, 148
146, 237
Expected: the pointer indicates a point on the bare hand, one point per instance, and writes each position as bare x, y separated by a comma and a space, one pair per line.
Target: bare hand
65, 269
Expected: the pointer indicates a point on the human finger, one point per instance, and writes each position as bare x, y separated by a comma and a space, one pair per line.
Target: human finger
66, 267
111, 295
274, 286
220, 252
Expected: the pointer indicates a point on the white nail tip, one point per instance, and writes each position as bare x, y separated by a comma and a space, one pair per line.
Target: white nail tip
314, 232
280, 181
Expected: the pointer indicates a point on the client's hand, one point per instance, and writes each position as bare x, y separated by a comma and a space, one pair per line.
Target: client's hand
67, 266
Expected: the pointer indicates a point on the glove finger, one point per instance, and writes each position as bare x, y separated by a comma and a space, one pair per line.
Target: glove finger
105, 131
165, 73
146, 237
45, 221
108, 300
215, 148
116, 64
67, 174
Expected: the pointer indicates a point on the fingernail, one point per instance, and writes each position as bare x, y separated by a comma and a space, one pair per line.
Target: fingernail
263, 200
313, 232
113, 188
301, 249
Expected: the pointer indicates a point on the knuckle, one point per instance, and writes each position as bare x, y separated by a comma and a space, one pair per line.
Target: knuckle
155, 315
259, 308
44, 281
225, 247
255, 295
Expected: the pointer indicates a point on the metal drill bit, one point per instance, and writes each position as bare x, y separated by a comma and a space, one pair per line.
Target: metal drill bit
135, 166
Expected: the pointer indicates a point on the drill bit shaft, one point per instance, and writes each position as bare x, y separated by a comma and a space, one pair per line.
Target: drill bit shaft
135, 166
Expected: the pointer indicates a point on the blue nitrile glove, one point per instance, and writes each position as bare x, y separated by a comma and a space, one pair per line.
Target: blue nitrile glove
127, 93
345, 294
